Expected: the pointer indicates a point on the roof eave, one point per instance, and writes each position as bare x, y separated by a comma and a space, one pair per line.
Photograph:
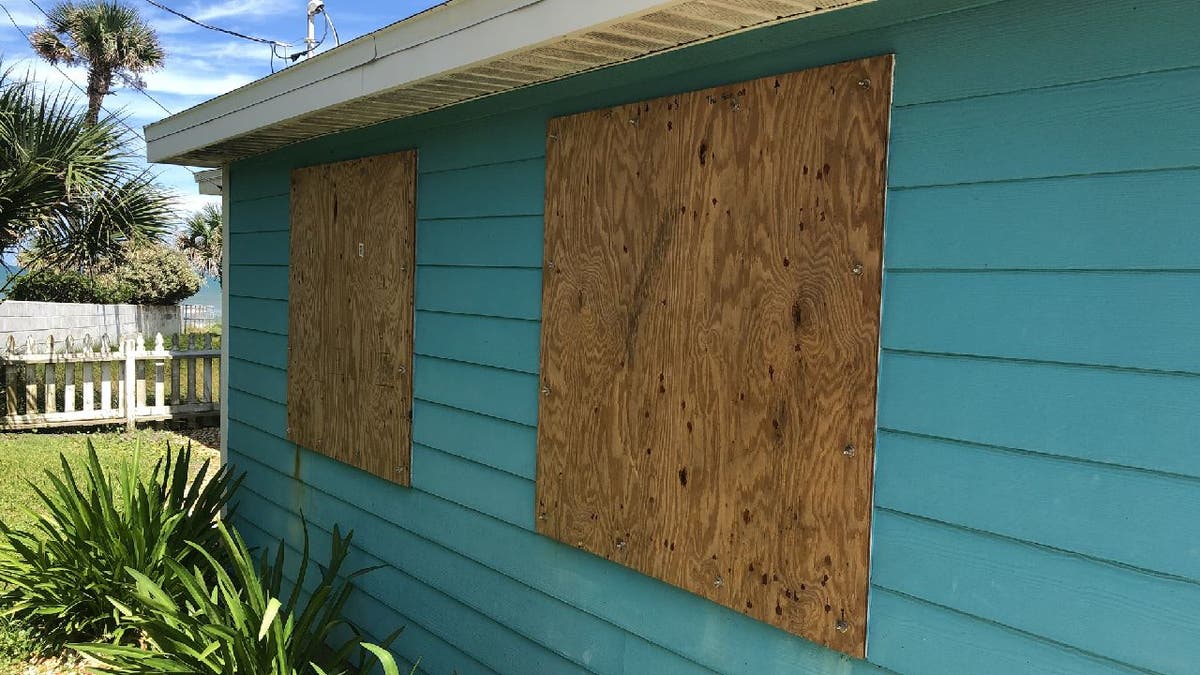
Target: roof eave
458, 51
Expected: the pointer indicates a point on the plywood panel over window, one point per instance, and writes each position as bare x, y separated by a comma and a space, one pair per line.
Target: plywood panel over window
351, 312
710, 341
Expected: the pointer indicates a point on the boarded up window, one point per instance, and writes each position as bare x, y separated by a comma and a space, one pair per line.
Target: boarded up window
710, 341
351, 312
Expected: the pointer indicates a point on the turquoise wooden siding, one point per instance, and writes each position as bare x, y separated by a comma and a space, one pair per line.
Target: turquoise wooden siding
1037, 481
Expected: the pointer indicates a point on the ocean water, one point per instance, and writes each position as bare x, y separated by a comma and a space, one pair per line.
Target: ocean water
209, 294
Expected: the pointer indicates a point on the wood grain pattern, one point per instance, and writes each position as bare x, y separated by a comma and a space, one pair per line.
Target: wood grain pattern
351, 312
710, 341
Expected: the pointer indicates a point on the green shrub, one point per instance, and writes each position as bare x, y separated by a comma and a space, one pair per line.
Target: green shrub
156, 275
62, 574
148, 274
50, 285
232, 618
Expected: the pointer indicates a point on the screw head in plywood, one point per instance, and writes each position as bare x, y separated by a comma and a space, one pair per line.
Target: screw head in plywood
402, 369
719, 581
857, 269
848, 450
865, 83
842, 625
621, 543
546, 390
549, 264
542, 516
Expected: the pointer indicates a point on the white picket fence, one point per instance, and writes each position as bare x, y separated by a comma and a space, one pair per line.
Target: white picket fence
86, 382
194, 317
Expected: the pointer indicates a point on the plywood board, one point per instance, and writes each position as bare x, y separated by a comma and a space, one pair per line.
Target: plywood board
710, 341
350, 330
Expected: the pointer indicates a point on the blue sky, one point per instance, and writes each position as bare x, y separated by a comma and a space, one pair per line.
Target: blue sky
200, 63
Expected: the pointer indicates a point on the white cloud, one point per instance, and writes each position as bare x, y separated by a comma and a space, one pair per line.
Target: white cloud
178, 87
39, 70
188, 204
168, 25
217, 55
181, 183
184, 82
135, 109
240, 8
26, 19
234, 13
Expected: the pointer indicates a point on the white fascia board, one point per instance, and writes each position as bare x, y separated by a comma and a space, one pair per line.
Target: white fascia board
445, 39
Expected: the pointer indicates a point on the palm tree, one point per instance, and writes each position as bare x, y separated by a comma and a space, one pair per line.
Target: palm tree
48, 155
200, 240
111, 39
70, 192
103, 227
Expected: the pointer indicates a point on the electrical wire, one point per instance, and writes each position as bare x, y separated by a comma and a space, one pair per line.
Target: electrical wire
116, 118
209, 26
299, 55
337, 41
138, 89
66, 77
275, 45
329, 27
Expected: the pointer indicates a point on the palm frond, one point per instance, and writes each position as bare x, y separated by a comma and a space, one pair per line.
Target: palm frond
68, 187
50, 156
101, 226
200, 240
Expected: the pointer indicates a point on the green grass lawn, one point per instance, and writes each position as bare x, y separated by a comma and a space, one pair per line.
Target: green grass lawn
25, 457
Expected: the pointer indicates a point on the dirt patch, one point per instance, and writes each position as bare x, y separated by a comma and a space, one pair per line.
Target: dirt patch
64, 665
209, 437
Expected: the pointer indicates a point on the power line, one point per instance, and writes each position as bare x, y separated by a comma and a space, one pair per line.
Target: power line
116, 118
234, 33
274, 44
62, 72
140, 90
143, 92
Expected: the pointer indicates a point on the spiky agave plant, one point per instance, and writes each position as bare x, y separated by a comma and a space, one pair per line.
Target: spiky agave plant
61, 573
234, 617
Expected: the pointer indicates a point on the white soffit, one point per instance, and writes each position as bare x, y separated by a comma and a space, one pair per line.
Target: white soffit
457, 51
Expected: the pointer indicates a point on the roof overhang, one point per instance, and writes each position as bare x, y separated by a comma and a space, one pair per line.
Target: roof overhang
455, 52
209, 182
